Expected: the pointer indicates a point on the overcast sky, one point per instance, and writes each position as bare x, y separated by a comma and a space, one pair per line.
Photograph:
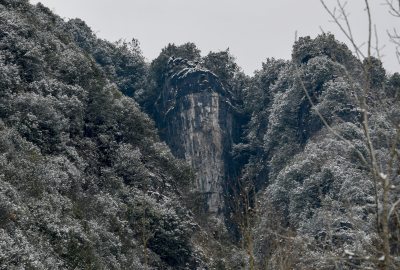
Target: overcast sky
253, 29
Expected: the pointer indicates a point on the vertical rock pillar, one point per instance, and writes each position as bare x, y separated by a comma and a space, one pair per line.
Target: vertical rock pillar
196, 117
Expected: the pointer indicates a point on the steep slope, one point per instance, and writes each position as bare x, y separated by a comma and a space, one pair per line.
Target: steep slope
321, 205
85, 182
196, 120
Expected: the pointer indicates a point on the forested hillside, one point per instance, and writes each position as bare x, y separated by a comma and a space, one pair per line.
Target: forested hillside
323, 193
110, 162
85, 181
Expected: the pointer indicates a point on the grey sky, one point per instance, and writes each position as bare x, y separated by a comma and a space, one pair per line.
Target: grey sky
252, 29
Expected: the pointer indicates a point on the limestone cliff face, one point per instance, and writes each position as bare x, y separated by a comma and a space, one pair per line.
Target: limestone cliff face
197, 120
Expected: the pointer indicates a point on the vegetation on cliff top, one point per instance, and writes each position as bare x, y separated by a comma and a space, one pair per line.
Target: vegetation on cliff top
86, 183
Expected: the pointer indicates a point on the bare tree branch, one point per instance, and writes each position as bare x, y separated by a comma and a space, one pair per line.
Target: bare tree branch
369, 27
349, 36
377, 49
392, 9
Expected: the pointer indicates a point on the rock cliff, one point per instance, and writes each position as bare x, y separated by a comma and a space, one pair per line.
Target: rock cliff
196, 120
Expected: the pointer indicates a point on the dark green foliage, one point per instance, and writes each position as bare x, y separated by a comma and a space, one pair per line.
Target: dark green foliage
21, 4
393, 87
171, 241
158, 66
260, 95
258, 99
231, 76
375, 72
307, 48
78, 157
158, 69
315, 184
223, 65
122, 61
85, 182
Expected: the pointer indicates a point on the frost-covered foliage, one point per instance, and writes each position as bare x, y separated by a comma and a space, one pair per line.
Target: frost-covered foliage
159, 67
317, 199
122, 61
85, 182
223, 65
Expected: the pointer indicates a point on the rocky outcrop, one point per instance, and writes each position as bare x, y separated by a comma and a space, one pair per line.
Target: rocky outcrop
196, 120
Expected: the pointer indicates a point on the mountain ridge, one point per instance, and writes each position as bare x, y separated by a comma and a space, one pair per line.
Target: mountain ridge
110, 162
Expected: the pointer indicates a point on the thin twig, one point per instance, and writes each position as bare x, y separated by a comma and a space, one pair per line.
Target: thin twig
392, 10
377, 49
369, 27
348, 36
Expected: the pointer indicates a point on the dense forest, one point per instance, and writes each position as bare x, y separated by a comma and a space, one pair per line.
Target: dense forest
185, 162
